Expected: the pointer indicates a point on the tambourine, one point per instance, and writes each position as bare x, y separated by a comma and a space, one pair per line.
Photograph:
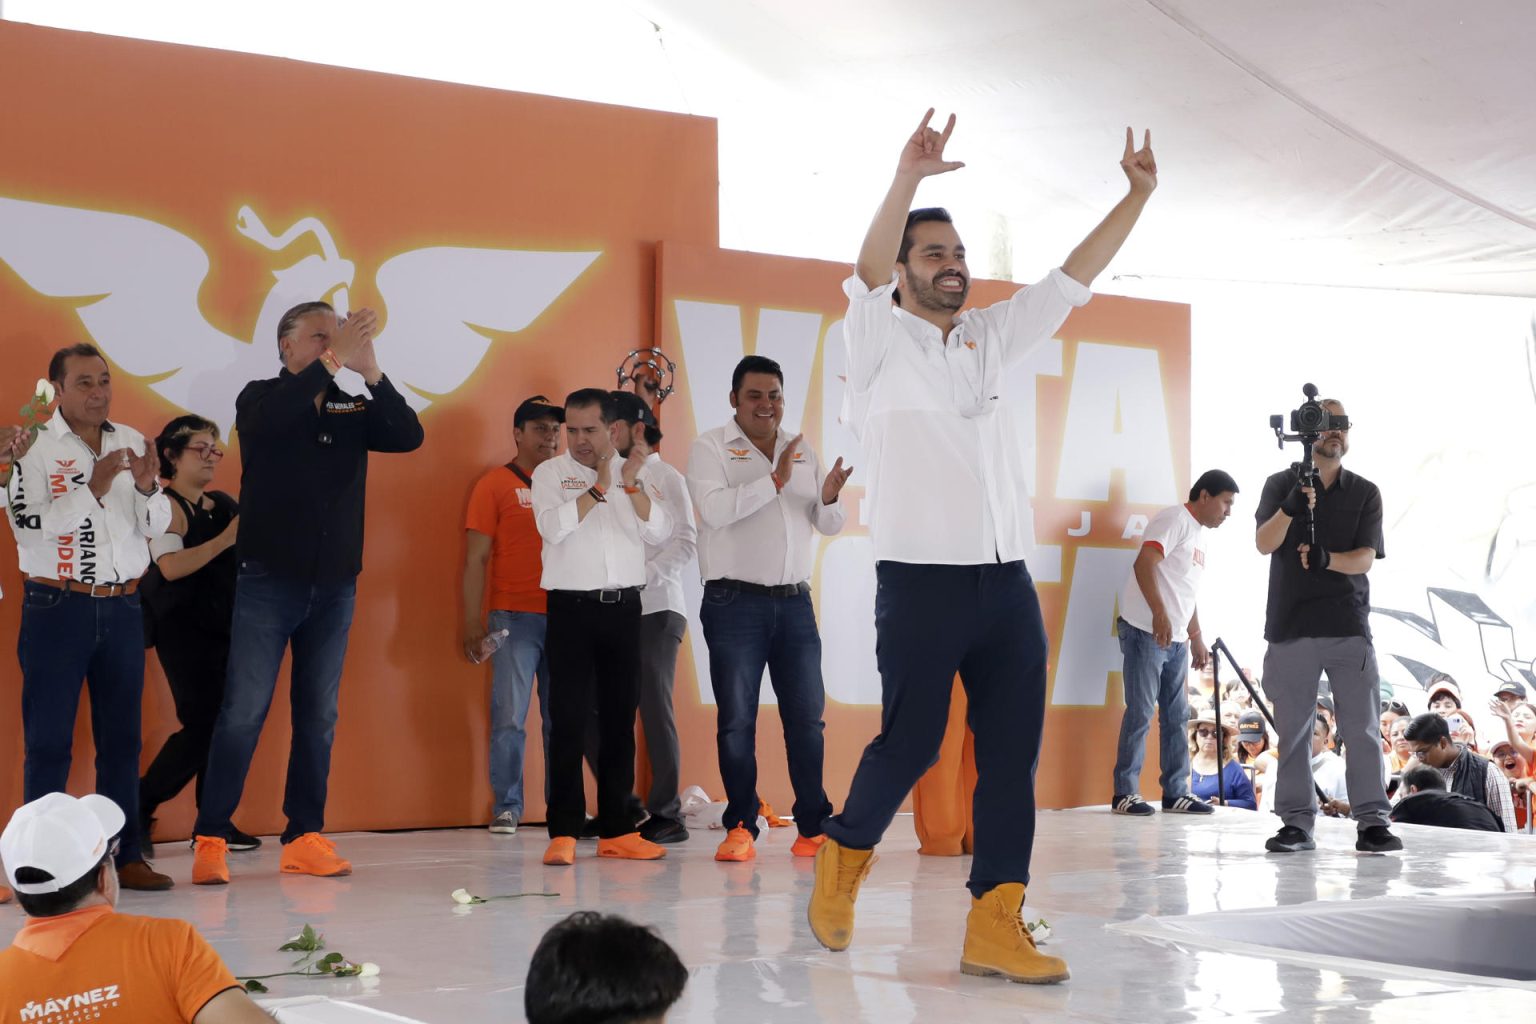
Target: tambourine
652, 369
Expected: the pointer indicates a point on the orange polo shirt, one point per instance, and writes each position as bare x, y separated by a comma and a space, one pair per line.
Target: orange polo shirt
501, 507
99, 965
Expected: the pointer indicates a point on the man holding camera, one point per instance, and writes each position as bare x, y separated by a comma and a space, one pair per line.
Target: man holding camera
1317, 621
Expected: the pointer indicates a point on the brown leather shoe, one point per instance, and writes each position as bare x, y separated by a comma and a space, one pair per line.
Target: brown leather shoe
140, 876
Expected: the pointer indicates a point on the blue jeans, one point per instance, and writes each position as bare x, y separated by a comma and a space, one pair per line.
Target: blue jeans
67, 637
745, 633
932, 621
270, 612
514, 667
1154, 678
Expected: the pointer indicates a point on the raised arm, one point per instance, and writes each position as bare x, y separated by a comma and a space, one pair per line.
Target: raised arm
921, 156
1093, 253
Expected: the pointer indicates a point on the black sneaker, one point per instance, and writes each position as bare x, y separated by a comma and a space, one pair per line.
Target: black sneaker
588, 829
1377, 839
1187, 804
664, 830
237, 841
1289, 839
1132, 804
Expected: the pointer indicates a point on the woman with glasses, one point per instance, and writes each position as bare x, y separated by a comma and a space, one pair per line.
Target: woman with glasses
188, 597
1210, 754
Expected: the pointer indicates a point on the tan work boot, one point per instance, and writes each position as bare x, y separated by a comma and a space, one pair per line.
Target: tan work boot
839, 873
998, 943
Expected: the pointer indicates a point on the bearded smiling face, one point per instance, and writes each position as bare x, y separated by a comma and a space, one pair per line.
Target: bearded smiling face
935, 276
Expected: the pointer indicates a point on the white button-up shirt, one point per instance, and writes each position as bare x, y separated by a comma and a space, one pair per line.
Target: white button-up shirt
604, 551
946, 483
62, 531
665, 562
749, 530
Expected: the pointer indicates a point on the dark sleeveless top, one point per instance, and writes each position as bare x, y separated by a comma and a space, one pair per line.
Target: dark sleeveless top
204, 600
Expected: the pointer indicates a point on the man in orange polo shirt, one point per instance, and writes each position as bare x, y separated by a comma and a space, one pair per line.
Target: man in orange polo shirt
76, 958
504, 549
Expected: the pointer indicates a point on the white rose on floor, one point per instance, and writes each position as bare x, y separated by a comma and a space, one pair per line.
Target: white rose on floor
1039, 930
462, 896
368, 970
44, 390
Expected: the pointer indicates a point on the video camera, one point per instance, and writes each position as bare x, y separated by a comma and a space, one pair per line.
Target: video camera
1308, 424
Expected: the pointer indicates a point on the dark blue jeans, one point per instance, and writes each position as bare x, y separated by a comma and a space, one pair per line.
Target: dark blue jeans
745, 633
932, 621
67, 637
270, 612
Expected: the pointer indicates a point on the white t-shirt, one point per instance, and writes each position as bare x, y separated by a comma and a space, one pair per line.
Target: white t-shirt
1179, 536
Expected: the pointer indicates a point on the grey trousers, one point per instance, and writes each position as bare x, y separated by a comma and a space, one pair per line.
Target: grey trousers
1292, 671
661, 634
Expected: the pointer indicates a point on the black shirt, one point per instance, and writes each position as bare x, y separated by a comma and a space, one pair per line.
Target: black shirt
203, 601
303, 473
1326, 603
1448, 810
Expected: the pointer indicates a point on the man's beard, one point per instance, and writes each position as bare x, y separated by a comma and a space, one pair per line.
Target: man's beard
1319, 448
930, 296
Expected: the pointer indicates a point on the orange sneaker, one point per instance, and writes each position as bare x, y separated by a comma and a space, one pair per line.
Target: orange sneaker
630, 847
806, 846
765, 809
313, 854
208, 866
561, 850
737, 846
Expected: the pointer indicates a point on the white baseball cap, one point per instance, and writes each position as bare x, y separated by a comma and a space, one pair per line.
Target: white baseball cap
60, 835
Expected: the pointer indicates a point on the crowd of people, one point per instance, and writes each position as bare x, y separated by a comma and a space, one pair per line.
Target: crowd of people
572, 589
1497, 771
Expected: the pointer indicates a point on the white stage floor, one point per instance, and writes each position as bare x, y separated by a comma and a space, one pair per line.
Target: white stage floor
741, 928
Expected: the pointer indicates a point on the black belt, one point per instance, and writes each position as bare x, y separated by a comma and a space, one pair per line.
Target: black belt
617, 596
784, 590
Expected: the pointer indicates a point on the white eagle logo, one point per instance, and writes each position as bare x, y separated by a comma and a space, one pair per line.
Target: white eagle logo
136, 283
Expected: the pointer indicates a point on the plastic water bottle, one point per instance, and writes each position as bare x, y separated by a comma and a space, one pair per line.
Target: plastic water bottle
490, 645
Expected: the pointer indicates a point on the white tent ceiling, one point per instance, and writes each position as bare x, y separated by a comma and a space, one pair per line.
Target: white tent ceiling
1376, 144
1380, 144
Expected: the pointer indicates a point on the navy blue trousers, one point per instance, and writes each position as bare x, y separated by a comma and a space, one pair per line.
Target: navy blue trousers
932, 621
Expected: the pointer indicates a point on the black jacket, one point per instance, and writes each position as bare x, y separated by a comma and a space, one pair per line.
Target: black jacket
304, 473
1448, 810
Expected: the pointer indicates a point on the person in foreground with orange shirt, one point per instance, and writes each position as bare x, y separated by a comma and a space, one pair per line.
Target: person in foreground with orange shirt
76, 957
500, 533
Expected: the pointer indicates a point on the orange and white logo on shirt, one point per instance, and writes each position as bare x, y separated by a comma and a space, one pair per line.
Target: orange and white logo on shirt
1199, 556
570, 483
525, 497
740, 454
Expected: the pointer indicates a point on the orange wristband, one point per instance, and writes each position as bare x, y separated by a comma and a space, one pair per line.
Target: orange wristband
631, 490
329, 360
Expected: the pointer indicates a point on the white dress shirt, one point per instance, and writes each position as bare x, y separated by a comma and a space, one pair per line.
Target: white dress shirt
749, 530
947, 483
665, 562
62, 531
604, 551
